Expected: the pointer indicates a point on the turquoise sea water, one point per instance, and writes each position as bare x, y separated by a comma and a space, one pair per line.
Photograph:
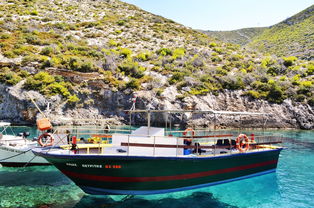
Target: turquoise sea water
292, 186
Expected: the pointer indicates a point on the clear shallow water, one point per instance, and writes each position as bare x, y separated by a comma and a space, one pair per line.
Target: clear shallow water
291, 186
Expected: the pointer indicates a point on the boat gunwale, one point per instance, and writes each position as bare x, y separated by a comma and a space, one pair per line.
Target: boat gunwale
40, 152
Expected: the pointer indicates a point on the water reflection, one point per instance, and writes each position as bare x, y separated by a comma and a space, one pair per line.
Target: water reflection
257, 191
245, 193
32, 176
196, 200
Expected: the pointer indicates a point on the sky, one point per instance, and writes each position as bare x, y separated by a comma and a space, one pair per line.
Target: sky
224, 14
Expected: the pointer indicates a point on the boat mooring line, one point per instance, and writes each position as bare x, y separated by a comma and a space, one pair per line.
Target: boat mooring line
15, 155
29, 161
21, 154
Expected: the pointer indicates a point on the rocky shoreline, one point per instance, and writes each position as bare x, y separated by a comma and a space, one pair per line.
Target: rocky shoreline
107, 108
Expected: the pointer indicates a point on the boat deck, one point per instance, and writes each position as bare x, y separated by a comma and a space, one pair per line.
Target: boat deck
110, 150
152, 142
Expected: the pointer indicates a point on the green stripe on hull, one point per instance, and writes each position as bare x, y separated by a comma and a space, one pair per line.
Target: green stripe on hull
149, 173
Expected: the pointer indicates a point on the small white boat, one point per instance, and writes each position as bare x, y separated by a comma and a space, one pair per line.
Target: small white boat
15, 151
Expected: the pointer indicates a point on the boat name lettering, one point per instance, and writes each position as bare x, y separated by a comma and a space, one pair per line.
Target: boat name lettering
91, 166
71, 164
10, 150
113, 166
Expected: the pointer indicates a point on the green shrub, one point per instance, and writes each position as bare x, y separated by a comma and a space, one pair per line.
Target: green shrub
288, 61
216, 59
232, 83
273, 70
121, 22
55, 61
10, 77
49, 85
305, 90
9, 54
164, 52
47, 51
79, 64
260, 86
118, 32
235, 57
275, 94
199, 90
218, 50
310, 69
295, 80
143, 56
178, 53
221, 72
300, 98
34, 13
267, 62
133, 84
32, 39
4, 36
112, 43
207, 78
24, 74
176, 77
73, 99
212, 44
56, 89
39, 81
125, 52
132, 69
253, 94
24, 49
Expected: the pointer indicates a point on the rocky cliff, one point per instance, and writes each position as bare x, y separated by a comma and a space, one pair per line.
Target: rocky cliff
17, 107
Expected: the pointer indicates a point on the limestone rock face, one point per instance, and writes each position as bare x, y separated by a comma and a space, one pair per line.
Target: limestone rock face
16, 106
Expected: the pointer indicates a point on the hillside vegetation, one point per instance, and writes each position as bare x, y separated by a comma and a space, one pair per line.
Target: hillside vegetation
74, 48
241, 36
292, 37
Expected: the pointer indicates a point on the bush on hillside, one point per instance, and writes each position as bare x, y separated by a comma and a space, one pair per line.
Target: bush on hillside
289, 61
133, 84
10, 77
125, 52
164, 52
275, 94
176, 77
132, 69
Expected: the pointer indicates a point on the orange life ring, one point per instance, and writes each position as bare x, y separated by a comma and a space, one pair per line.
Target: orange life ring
189, 130
46, 136
242, 147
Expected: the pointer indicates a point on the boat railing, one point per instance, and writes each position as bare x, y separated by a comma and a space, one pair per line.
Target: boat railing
197, 145
202, 145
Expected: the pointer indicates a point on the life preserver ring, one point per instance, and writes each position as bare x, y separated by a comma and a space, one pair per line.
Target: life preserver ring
47, 136
240, 145
189, 130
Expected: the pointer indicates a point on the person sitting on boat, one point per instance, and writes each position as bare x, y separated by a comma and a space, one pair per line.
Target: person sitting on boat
68, 133
198, 149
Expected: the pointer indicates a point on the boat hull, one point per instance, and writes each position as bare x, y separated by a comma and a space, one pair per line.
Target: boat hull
12, 157
132, 175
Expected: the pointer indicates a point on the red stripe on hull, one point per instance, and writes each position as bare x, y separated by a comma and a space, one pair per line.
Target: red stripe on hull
166, 178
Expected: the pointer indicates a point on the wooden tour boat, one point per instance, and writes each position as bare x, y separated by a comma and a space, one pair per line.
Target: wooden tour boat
150, 160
